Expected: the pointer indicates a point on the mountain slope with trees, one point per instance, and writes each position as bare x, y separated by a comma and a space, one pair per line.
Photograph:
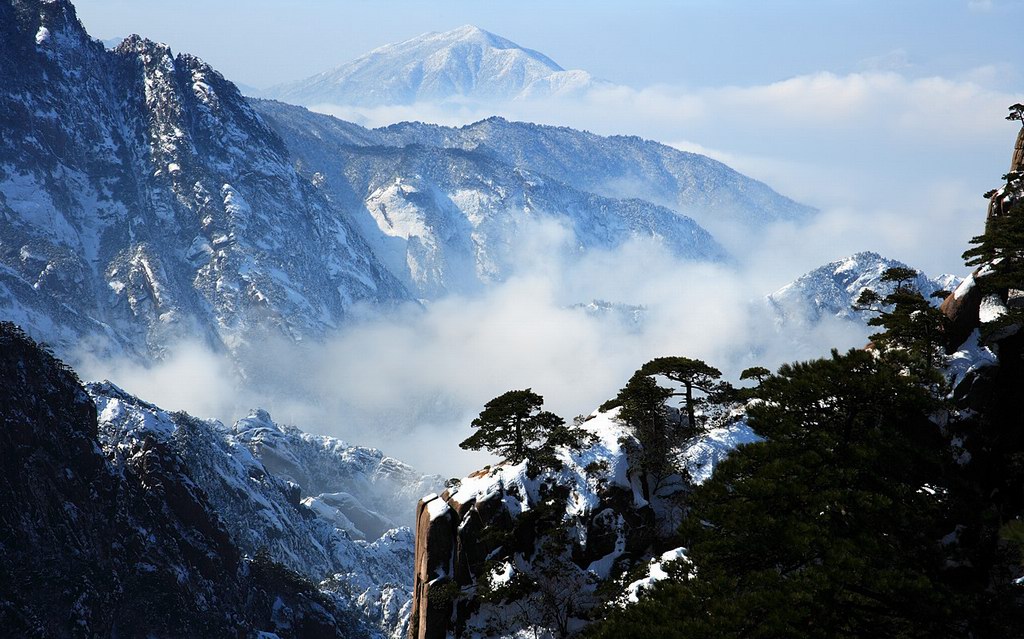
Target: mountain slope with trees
886, 499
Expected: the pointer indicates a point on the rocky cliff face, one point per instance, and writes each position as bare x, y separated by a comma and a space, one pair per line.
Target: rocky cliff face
967, 308
121, 545
558, 534
313, 504
143, 200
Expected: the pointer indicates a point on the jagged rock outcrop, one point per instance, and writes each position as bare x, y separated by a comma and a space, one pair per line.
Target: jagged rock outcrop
359, 557
967, 308
1017, 161
121, 546
143, 200
565, 529
961, 309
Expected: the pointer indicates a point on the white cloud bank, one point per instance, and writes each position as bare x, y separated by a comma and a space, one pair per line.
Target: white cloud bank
411, 381
897, 165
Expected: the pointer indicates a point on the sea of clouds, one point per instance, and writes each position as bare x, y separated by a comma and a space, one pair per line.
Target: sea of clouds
896, 164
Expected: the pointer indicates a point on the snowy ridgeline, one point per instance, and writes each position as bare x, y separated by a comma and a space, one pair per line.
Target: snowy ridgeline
832, 289
345, 526
451, 209
143, 200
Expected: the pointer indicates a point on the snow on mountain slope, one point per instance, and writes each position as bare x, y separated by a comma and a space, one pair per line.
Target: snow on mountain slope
452, 219
464, 63
831, 289
122, 542
368, 568
617, 167
143, 200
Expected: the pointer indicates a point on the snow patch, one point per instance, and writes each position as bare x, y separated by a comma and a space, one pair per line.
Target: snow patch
655, 573
703, 455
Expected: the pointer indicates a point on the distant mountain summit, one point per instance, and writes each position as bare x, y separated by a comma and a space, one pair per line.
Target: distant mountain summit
833, 288
464, 63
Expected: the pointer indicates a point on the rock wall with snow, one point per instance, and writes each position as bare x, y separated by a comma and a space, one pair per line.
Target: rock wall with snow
968, 308
316, 505
497, 525
143, 200
104, 538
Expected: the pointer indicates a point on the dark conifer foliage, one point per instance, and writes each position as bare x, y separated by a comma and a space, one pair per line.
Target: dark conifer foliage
829, 528
881, 503
693, 374
912, 326
514, 426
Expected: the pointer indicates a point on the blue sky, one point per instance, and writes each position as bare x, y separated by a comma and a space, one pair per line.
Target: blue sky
696, 43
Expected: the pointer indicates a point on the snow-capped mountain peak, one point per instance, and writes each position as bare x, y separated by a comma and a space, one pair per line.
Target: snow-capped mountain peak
464, 63
832, 289
466, 35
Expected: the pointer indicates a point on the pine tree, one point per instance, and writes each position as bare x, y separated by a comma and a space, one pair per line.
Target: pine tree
514, 426
913, 327
828, 528
1000, 249
758, 373
693, 374
644, 411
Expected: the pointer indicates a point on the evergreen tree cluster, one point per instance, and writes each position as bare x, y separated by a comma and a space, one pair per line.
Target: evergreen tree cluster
884, 500
880, 504
912, 326
514, 426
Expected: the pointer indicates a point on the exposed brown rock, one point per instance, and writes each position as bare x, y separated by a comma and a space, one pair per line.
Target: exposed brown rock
1017, 161
454, 545
961, 313
435, 541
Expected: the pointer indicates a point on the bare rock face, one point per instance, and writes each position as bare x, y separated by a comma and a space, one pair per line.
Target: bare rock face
435, 545
504, 516
961, 310
1017, 161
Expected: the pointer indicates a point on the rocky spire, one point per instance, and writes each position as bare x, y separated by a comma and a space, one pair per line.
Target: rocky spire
1017, 161
962, 306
